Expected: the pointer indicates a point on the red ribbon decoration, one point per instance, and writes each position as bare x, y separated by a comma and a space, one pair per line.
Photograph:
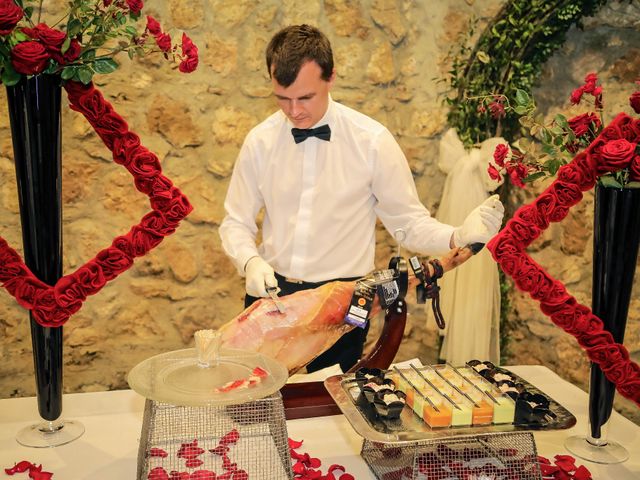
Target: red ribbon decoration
53, 305
553, 205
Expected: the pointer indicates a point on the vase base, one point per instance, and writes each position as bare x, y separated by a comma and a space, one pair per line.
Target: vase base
607, 453
50, 434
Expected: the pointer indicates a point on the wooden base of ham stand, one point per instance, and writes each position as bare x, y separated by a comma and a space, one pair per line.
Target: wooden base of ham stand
311, 399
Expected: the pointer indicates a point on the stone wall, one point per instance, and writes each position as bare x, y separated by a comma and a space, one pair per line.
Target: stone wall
390, 56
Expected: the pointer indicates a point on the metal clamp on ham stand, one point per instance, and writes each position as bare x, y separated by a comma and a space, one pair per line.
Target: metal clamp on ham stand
311, 399
428, 287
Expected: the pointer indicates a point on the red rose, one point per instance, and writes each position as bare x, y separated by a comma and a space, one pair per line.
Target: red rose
497, 109
51, 38
618, 373
10, 15
28, 289
91, 104
611, 132
544, 288
90, 278
29, 58
113, 260
123, 243
494, 173
109, 127
12, 275
517, 173
567, 194
584, 124
55, 317
124, 148
523, 231
135, 6
586, 326
601, 337
634, 101
545, 203
153, 26
576, 174
72, 53
630, 388
576, 96
616, 155
554, 294
567, 318
530, 214
606, 355
190, 54
143, 164
68, 292
155, 223
500, 154
634, 169
177, 208
503, 246
143, 241
528, 277
163, 40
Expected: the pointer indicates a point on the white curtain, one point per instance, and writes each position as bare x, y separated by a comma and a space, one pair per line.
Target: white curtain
470, 294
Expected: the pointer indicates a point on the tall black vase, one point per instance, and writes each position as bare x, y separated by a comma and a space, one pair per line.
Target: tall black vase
34, 114
615, 252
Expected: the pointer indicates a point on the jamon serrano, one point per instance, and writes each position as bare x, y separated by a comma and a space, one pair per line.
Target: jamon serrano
313, 320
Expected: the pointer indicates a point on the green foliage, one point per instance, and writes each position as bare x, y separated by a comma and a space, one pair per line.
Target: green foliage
508, 57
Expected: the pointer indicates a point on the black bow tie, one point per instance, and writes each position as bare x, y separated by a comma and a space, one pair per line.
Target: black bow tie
323, 132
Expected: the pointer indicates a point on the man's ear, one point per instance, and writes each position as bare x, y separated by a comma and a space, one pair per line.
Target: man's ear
332, 78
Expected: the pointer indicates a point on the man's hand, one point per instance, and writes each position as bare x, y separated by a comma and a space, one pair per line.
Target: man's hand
481, 224
259, 275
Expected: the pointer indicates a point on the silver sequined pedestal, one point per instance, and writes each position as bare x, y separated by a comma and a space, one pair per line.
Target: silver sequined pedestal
261, 450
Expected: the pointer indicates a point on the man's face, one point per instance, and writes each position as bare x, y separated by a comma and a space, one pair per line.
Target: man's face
305, 101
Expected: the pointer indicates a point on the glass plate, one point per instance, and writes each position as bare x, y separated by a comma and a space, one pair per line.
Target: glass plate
177, 378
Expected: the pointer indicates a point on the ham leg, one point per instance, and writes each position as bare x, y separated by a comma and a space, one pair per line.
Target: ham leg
312, 322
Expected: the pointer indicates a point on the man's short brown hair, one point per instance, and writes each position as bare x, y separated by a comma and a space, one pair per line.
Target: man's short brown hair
294, 46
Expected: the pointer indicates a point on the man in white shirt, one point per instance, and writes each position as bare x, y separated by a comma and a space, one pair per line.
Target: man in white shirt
323, 173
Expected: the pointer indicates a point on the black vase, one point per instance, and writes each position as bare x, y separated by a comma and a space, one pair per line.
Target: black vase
34, 114
615, 252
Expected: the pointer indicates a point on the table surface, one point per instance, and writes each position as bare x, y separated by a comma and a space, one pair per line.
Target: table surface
109, 447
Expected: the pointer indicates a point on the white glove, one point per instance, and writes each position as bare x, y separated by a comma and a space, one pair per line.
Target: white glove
259, 275
481, 224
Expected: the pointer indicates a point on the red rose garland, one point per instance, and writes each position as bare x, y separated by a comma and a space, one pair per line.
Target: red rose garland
612, 150
53, 305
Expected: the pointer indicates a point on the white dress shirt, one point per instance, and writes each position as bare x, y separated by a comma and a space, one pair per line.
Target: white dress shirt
321, 198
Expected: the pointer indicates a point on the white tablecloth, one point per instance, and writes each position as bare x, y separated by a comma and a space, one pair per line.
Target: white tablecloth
109, 447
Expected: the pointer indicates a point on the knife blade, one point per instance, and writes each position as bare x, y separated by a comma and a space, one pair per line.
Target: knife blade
273, 293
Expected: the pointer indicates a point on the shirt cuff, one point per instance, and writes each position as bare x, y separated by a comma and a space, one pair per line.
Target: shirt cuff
242, 258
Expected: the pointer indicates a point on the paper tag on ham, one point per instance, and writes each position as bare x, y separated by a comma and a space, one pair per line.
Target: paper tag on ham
360, 306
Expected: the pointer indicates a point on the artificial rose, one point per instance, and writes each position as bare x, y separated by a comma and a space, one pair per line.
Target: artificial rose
528, 276
616, 155
143, 163
113, 262
160, 189
631, 388
523, 231
177, 208
52, 318
51, 38
505, 253
28, 290
29, 58
68, 292
501, 153
153, 26
567, 194
143, 241
494, 173
545, 203
553, 294
531, 214
618, 373
123, 243
10, 15
190, 54
602, 337
586, 326
12, 274
109, 127
124, 148
574, 173
163, 40
559, 212
155, 223
605, 355
135, 6
90, 103
541, 290
90, 278
634, 101
634, 169
584, 124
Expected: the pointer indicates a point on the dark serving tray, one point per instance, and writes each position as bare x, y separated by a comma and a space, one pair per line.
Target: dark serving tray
410, 428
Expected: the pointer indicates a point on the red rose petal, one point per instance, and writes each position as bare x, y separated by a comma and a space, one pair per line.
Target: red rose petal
347, 476
566, 462
19, 467
260, 372
582, 473
314, 462
295, 444
40, 475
